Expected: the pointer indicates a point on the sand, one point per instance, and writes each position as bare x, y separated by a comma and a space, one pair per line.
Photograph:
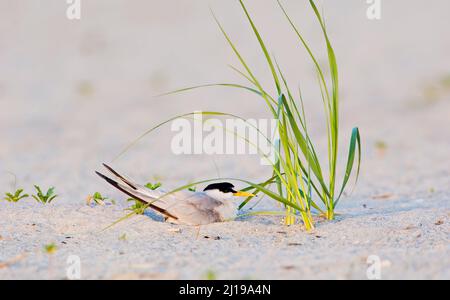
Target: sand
73, 94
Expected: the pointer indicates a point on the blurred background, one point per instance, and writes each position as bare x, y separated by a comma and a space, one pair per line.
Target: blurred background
74, 93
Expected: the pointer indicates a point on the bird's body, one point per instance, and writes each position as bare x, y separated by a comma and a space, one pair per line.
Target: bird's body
212, 205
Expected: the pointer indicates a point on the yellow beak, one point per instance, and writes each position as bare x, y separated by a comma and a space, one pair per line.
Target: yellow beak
243, 194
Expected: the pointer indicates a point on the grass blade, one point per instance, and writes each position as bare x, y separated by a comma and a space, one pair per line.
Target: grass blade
354, 142
264, 48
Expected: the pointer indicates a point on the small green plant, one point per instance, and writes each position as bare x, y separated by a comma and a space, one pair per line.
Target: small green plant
210, 275
138, 207
123, 237
98, 199
192, 189
50, 248
46, 198
153, 187
16, 197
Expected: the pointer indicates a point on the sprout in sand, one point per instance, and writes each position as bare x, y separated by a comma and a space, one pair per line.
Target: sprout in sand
50, 248
46, 198
99, 199
16, 197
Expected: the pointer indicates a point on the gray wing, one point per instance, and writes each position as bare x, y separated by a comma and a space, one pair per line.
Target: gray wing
200, 209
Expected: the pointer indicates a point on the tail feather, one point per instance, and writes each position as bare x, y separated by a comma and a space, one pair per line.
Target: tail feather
140, 189
125, 180
133, 192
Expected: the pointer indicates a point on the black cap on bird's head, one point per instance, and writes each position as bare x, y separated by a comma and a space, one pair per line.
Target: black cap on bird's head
226, 187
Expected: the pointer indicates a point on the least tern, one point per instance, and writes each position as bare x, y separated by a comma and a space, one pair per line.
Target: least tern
213, 205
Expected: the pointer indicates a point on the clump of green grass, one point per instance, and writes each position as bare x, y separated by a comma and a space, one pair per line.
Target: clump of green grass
99, 199
46, 198
154, 186
298, 173
16, 196
138, 207
210, 275
50, 248
304, 183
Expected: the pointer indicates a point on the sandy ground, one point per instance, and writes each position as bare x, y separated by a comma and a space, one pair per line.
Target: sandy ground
73, 94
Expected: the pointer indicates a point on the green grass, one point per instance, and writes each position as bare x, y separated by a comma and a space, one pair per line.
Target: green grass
50, 248
46, 198
301, 181
210, 275
298, 172
39, 196
98, 199
154, 186
16, 196
138, 207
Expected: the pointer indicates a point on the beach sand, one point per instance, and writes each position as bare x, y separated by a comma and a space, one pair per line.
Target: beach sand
73, 94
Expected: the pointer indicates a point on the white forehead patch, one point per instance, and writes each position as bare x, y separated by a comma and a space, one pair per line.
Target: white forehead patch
216, 194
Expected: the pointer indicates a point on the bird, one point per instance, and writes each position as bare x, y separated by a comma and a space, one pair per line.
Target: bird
212, 205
